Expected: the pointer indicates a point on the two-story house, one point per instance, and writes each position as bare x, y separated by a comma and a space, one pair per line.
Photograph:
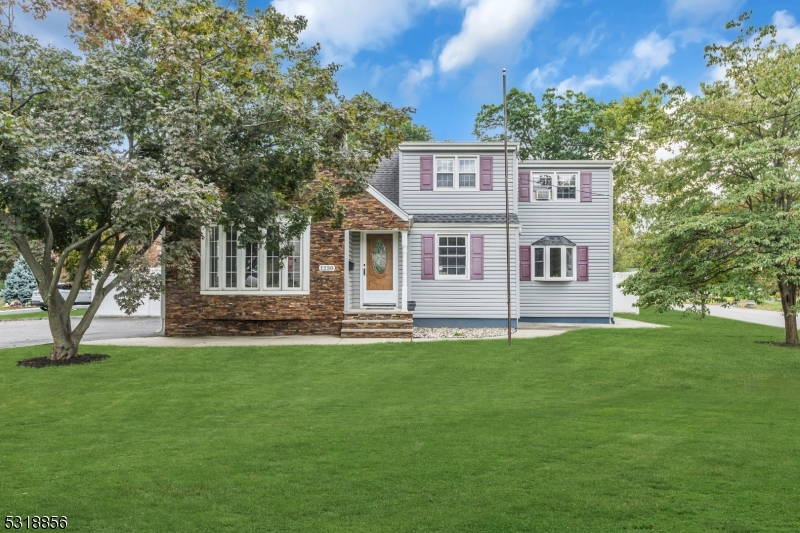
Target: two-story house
429, 230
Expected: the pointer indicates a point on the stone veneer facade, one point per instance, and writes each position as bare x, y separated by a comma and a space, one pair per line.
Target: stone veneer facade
188, 313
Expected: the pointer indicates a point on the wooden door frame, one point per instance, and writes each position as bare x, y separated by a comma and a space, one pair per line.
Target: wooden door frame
363, 268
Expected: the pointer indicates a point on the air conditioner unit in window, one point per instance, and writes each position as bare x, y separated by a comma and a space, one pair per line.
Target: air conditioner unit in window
543, 194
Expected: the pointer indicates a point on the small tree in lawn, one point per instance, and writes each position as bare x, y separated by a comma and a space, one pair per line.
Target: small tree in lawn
727, 217
180, 114
20, 283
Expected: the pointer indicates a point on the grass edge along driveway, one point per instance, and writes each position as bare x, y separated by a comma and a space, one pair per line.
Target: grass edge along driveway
687, 428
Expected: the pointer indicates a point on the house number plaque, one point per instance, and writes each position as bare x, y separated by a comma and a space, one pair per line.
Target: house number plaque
327, 268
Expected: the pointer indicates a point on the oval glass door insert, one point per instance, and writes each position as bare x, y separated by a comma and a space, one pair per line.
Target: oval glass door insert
379, 257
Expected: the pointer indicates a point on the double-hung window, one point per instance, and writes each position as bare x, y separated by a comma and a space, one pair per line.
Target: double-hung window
444, 173
554, 263
457, 173
554, 186
566, 185
227, 267
452, 256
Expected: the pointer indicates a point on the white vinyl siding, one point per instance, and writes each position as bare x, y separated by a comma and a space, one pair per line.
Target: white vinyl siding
585, 224
464, 298
457, 199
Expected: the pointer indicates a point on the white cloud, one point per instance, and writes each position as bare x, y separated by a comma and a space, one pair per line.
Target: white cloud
491, 27
415, 78
701, 9
716, 73
787, 27
648, 56
543, 76
344, 27
582, 44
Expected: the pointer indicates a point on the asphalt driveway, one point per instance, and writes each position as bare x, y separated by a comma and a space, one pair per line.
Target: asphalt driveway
15, 333
756, 316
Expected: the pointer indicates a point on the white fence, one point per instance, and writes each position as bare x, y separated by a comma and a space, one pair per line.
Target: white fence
623, 303
109, 307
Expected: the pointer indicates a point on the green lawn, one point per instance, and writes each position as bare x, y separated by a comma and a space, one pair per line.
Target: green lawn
36, 314
689, 428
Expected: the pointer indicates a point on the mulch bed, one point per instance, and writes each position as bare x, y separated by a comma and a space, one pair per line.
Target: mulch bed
43, 362
775, 343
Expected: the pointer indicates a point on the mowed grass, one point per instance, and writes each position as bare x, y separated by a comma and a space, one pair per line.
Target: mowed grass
690, 428
41, 315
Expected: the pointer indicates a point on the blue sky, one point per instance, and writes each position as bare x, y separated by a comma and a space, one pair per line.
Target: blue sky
444, 57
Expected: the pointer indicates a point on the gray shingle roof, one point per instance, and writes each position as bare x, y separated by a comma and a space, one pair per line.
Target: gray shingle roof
387, 178
553, 241
465, 218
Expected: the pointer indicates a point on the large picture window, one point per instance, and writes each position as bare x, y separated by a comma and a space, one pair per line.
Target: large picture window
228, 268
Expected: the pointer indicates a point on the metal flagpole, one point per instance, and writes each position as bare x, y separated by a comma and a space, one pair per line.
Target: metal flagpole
508, 231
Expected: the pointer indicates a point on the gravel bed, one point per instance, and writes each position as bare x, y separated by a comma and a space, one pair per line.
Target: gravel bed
459, 333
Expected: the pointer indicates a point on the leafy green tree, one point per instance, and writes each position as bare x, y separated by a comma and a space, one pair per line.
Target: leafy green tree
575, 126
727, 217
19, 283
416, 132
180, 114
8, 256
563, 126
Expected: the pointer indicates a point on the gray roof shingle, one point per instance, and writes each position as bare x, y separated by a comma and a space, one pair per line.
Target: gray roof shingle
465, 218
553, 241
387, 178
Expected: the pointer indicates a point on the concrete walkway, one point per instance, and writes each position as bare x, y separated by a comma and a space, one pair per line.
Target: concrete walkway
526, 331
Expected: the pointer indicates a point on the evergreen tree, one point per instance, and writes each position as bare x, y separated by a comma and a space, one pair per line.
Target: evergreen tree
20, 283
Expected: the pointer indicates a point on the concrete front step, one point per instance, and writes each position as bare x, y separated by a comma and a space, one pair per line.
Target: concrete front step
376, 333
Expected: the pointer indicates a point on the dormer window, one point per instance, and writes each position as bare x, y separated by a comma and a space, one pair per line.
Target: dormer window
457, 173
444, 173
467, 172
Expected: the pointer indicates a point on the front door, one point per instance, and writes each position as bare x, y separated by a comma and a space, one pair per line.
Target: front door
378, 269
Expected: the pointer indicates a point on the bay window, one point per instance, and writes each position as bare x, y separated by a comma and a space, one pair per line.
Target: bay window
227, 267
554, 262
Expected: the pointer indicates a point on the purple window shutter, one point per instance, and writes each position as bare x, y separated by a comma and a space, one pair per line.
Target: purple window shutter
524, 263
476, 256
426, 173
487, 171
524, 186
428, 256
583, 263
586, 186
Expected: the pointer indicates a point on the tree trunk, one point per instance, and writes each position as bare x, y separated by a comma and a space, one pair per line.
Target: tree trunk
64, 347
788, 301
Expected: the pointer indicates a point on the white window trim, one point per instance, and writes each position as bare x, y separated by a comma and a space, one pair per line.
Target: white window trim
468, 245
455, 186
261, 290
547, 276
554, 186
